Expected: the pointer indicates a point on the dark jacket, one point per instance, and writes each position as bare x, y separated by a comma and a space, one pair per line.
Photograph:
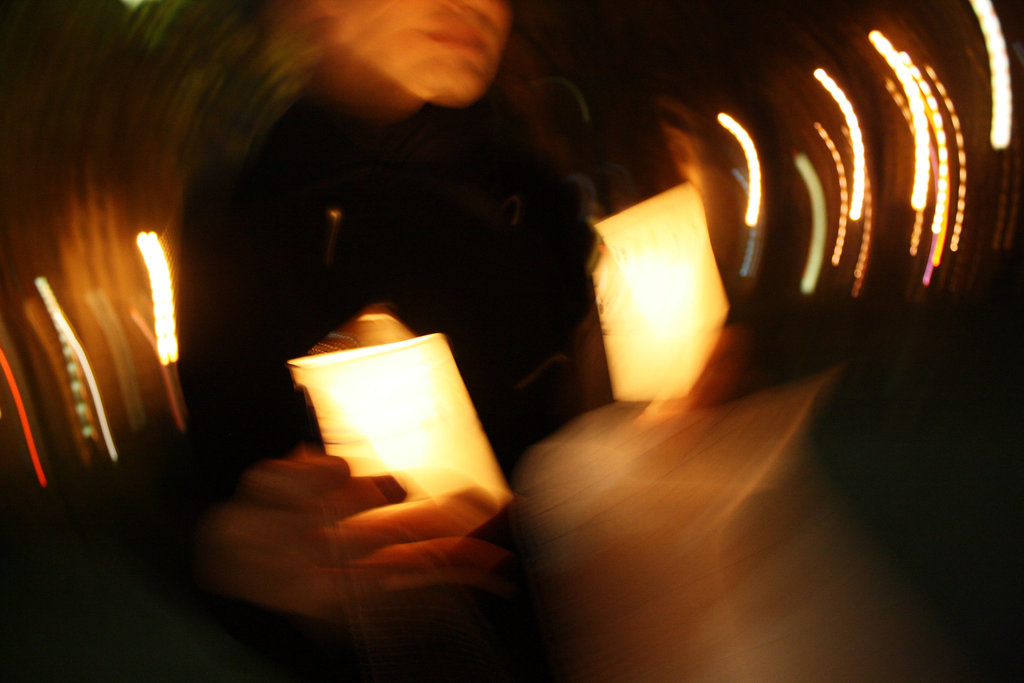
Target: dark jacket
441, 217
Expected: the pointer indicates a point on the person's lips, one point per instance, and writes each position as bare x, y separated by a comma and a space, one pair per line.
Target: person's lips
458, 34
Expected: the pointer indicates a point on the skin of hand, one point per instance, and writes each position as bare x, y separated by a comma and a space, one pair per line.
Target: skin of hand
303, 537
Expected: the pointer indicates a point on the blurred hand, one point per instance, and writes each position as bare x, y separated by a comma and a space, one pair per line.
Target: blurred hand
304, 537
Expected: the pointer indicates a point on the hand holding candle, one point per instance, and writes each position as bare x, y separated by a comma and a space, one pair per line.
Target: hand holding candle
304, 537
400, 499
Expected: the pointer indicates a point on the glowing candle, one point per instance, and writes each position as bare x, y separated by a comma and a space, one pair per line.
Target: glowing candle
662, 303
402, 408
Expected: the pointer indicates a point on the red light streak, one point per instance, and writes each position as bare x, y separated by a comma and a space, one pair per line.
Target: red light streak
23, 416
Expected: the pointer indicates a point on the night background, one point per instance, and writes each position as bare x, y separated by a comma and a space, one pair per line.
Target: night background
112, 115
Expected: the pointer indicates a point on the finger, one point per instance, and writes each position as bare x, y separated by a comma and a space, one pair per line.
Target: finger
360, 494
449, 516
441, 561
296, 482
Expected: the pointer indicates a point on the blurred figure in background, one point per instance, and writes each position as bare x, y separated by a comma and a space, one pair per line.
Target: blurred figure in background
392, 180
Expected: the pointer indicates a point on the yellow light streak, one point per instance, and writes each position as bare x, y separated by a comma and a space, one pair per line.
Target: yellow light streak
816, 250
844, 207
999, 69
856, 141
919, 119
941, 214
753, 167
961, 191
163, 296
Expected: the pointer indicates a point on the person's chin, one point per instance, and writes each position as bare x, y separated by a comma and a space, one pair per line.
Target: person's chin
457, 100
459, 93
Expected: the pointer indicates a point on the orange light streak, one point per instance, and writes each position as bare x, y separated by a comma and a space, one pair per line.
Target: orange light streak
860, 270
961, 190
837, 251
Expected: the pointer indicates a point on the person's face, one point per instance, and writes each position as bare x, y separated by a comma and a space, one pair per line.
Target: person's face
441, 51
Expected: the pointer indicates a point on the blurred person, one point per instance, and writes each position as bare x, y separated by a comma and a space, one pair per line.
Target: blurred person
394, 179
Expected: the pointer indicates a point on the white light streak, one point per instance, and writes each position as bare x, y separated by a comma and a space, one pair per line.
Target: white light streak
999, 72
856, 141
68, 337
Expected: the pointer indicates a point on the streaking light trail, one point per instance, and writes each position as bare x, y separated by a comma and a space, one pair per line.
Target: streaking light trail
816, 251
163, 296
860, 270
941, 214
999, 73
753, 167
170, 381
856, 141
131, 395
961, 151
922, 139
69, 339
844, 196
26, 428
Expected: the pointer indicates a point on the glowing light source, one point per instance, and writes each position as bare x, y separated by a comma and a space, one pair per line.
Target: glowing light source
70, 341
922, 140
753, 167
815, 253
999, 68
402, 407
844, 197
661, 300
856, 141
163, 296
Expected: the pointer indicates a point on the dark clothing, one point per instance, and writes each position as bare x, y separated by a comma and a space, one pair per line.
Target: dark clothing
458, 231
